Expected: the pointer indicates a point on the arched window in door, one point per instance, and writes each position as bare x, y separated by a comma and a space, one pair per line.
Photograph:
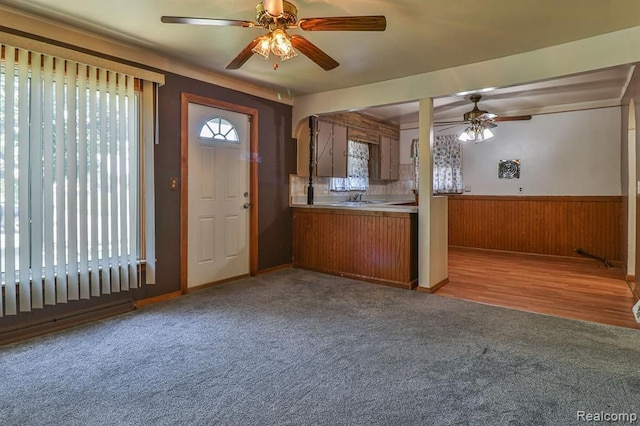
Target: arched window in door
219, 129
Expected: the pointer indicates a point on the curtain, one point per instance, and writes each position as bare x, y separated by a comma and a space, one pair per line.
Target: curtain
69, 181
357, 169
447, 165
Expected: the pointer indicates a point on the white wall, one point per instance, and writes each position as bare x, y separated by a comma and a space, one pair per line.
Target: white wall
570, 153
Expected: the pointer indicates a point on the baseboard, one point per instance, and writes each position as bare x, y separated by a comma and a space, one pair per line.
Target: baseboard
149, 300
618, 264
275, 269
215, 283
73, 319
434, 288
397, 284
630, 278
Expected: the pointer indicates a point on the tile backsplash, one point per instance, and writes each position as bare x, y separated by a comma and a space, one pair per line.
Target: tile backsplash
402, 186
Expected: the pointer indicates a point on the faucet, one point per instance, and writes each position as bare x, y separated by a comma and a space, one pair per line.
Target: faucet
357, 196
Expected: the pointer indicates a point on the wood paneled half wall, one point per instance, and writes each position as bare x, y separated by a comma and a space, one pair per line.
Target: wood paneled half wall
549, 225
369, 245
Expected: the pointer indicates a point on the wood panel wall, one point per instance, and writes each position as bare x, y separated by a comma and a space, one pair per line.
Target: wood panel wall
543, 225
374, 246
364, 128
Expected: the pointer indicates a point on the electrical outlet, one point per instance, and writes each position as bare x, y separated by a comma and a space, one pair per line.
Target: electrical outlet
636, 311
520, 189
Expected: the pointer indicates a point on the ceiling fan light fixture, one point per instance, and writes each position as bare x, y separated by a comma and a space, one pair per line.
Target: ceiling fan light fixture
475, 133
487, 134
280, 43
263, 48
292, 54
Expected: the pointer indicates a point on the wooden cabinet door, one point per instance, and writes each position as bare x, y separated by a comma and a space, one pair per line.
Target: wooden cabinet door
302, 142
374, 161
385, 158
324, 149
394, 159
339, 151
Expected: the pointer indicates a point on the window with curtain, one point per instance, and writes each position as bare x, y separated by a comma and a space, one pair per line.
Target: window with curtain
447, 165
70, 179
357, 169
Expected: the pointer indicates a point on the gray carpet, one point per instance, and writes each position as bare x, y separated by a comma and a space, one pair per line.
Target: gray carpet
300, 348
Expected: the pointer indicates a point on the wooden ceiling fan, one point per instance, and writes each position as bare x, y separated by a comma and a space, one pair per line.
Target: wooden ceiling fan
278, 16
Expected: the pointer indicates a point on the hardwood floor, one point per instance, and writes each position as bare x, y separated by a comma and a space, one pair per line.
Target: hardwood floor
579, 289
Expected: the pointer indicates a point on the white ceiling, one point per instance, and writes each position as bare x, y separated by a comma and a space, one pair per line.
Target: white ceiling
598, 89
421, 36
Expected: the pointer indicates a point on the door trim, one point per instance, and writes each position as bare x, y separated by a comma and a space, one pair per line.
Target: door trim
185, 100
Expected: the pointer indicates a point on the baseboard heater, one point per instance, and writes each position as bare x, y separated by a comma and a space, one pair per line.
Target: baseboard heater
592, 256
60, 322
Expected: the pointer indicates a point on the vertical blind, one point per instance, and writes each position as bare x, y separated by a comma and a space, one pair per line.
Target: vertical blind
69, 181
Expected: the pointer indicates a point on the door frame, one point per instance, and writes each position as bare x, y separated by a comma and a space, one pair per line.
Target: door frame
185, 100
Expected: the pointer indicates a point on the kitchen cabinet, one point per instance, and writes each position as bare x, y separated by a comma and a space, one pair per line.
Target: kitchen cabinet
331, 149
384, 159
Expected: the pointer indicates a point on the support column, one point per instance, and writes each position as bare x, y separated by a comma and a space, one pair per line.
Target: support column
432, 212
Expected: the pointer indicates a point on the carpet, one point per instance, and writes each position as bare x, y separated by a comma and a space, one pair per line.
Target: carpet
301, 348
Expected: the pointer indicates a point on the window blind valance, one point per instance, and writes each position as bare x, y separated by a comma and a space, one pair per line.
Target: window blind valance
80, 57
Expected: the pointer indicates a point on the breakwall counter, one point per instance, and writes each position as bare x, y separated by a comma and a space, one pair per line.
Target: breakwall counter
371, 242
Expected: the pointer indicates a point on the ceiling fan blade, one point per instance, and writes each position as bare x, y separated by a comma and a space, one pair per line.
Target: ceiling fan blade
344, 23
449, 123
451, 126
206, 21
244, 55
486, 116
274, 8
513, 118
313, 52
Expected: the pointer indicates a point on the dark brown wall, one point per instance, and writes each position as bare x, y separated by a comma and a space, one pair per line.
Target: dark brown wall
277, 159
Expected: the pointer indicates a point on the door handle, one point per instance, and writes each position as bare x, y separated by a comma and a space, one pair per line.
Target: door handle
246, 205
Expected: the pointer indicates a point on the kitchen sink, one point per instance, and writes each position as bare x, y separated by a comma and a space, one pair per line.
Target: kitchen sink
357, 203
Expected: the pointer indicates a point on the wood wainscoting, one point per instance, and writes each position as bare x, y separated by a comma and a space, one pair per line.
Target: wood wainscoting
551, 225
375, 246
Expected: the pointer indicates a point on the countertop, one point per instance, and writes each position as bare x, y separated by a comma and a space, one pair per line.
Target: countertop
370, 206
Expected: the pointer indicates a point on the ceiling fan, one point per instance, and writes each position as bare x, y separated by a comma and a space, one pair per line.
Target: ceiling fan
479, 122
278, 16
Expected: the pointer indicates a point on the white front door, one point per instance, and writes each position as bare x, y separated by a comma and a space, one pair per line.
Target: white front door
218, 195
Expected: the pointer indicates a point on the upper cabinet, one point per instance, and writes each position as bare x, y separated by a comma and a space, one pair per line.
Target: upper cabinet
332, 134
384, 159
331, 150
